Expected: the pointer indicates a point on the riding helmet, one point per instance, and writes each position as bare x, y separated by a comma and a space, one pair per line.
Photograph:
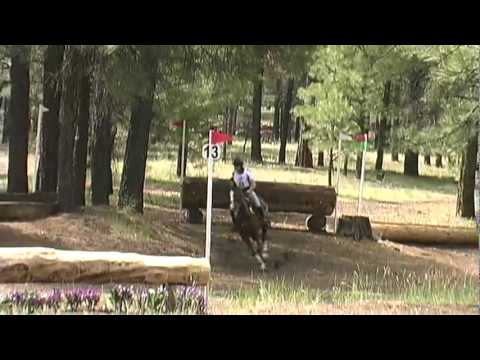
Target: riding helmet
238, 162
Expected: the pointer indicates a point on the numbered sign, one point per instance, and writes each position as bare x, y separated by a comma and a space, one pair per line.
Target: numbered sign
215, 151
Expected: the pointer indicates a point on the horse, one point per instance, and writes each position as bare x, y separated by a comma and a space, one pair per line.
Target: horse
251, 227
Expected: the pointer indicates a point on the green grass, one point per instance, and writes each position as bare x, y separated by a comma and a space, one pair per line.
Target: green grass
432, 289
434, 184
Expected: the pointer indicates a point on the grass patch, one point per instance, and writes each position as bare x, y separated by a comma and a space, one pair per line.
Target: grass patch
432, 289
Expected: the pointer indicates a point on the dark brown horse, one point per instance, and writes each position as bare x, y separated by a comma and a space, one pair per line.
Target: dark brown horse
251, 226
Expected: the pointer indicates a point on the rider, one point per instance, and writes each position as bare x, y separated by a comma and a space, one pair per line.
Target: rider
243, 179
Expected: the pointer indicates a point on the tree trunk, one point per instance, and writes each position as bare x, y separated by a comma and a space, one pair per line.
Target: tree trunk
428, 161
68, 116
277, 111
411, 163
256, 150
135, 162
330, 168
81, 139
179, 157
226, 130
321, 159
19, 121
345, 165
393, 142
48, 162
4, 109
438, 161
103, 140
297, 129
477, 182
395, 157
358, 165
466, 185
382, 124
286, 118
235, 121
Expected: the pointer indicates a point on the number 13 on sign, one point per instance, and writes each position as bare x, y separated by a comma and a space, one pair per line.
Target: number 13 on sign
214, 150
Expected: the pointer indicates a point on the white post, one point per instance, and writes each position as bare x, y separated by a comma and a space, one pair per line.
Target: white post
362, 179
209, 197
338, 181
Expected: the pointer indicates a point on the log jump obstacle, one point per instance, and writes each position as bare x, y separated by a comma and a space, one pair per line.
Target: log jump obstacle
49, 266
316, 201
26, 207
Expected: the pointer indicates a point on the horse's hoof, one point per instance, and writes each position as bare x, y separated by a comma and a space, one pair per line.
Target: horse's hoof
263, 267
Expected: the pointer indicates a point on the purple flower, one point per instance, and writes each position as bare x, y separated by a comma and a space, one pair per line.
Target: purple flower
17, 298
91, 298
74, 299
53, 300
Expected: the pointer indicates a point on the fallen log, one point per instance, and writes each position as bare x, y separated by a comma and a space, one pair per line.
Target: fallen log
426, 234
280, 197
31, 198
26, 211
47, 266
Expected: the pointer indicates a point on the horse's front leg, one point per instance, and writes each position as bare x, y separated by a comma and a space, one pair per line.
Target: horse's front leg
259, 253
265, 244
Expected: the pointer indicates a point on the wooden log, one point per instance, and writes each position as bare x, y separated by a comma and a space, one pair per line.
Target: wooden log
26, 211
426, 234
48, 266
31, 198
280, 197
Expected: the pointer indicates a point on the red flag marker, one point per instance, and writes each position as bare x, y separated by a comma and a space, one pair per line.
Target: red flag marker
220, 138
177, 124
361, 138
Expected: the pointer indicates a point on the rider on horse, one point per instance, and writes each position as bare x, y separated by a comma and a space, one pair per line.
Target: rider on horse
243, 179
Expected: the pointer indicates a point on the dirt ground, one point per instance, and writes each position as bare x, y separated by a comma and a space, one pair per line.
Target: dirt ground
314, 260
